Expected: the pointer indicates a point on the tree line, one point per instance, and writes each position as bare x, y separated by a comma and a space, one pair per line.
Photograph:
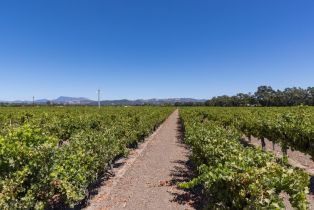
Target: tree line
267, 96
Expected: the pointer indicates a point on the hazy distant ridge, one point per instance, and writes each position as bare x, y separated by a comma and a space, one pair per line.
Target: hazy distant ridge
86, 101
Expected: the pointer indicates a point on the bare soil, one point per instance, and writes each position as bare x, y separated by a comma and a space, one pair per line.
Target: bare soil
147, 178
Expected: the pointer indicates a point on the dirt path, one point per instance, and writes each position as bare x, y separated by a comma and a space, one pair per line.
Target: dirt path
147, 179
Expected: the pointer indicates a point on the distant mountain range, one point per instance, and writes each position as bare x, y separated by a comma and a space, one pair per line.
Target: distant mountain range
85, 101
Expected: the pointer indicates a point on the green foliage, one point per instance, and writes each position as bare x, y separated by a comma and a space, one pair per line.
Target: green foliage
267, 96
234, 176
291, 127
26, 156
49, 156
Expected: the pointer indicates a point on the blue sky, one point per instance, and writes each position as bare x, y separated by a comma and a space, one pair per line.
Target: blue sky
153, 48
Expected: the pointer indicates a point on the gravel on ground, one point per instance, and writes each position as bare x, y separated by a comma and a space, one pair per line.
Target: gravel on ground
147, 178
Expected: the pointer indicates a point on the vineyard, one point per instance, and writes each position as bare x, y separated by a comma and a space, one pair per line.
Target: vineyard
50, 156
290, 127
237, 176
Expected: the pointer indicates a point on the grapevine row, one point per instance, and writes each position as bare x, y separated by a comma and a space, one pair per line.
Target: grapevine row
51, 156
235, 176
291, 127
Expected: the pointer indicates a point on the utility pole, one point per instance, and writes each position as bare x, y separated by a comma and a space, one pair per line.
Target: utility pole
33, 100
99, 98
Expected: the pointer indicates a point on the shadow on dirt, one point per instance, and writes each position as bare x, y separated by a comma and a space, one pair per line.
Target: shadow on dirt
311, 186
185, 171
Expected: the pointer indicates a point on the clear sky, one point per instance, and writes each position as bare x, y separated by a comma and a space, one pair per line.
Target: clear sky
153, 48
